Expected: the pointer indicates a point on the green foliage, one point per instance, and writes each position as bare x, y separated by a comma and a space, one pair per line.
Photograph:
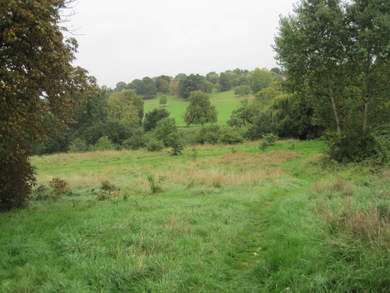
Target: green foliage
152, 117
39, 87
261, 78
351, 147
164, 128
200, 110
155, 184
175, 141
243, 90
103, 144
78, 145
344, 77
126, 108
229, 135
145, 87
224, 81
192, 83
136, 139
270, 138
163, 100
154, 145
209, 134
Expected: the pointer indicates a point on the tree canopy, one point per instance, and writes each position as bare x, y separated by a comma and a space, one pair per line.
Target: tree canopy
200, 110
38, 87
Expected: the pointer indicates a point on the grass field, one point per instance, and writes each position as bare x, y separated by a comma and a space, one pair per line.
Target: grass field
225, 103
227, 219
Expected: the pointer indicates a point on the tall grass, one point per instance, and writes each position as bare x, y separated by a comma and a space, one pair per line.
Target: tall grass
247, 221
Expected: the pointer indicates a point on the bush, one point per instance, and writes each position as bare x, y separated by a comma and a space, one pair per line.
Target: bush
154, 145
59, 186
209, 134
270, 138
155, 184
103, 144
229, 135
175, 141
78, 145
136, 140
243, 90
351, 146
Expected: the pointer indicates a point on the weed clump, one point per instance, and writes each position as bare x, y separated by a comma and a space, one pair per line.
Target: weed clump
268, 140
155, 184
107, 191
59, 186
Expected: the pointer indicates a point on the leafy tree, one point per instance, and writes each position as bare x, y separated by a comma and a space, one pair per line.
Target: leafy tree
212, 77
145, 87
164, 128
242, 90
39, 86
120, 86
244, 115
152, 117
126, 108
162, 84
163, 100
191, 83
200, 110
224, 82
336, 56
261, 78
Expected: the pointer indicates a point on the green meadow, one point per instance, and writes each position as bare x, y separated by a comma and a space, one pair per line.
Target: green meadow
215, 219
225, 103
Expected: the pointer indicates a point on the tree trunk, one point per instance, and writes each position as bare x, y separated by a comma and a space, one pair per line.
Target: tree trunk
334, 107
365, 114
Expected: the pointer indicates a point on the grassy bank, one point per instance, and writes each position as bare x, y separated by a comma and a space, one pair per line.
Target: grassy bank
226, 219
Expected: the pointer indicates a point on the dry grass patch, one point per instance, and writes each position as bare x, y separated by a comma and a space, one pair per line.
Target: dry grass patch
218, 177
371, 224
250, 160
338, 187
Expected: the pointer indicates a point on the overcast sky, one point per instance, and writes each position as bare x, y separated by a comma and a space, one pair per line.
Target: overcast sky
121, 40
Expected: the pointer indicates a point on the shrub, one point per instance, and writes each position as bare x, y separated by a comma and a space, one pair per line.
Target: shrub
106, 185
155, 184
78, 145
229, 135
103, 144
243, 90
209, 134
154, 145
136, 140
270, 138
59, 186
175, 141
351, 146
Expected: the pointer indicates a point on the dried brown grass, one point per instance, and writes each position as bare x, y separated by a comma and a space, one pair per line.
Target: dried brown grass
366, 224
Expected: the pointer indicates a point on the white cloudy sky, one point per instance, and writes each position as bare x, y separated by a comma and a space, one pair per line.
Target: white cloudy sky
120, 40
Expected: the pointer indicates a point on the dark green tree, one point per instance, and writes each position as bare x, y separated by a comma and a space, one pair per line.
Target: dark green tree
152, 117
39, 86
200, 110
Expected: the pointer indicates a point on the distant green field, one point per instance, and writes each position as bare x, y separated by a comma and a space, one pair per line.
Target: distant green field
225, 103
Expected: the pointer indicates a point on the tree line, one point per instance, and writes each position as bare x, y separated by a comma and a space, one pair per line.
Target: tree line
333, 81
